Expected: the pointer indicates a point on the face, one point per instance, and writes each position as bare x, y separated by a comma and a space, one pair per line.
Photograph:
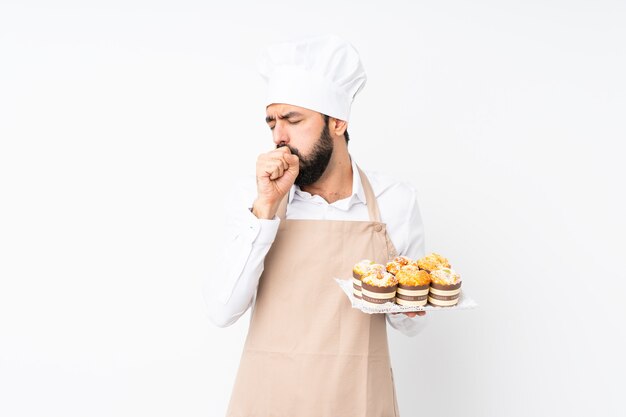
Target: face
306, 134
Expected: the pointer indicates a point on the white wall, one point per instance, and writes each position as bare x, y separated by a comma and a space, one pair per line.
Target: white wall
122, 124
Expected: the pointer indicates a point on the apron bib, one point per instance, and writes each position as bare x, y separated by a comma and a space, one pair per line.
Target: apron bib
308, 353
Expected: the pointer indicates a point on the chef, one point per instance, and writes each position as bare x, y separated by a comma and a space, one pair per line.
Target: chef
311, 214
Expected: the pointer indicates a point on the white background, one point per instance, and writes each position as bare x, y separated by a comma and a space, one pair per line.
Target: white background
123, 123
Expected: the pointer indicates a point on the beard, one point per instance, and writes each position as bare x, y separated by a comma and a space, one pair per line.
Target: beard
312, 167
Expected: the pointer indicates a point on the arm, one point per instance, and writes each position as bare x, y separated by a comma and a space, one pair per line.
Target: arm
229, 292
252, 228
411, 323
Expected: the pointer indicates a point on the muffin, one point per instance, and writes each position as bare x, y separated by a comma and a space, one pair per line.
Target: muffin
378, 287
413, 286
445, 287
432, 261
359, 269
398, 262
378, 267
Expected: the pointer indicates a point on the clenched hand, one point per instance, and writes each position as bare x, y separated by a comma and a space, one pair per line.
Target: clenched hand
276, 171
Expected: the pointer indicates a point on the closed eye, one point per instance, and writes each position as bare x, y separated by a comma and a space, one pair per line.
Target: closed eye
291, 122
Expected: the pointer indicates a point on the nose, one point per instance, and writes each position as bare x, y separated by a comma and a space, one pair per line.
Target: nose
280, 134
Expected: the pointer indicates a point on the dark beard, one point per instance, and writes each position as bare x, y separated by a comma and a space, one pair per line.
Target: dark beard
313, 166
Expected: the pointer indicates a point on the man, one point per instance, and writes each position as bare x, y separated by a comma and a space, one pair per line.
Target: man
313, 214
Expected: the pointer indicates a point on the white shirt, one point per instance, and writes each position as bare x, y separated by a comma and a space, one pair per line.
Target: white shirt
234, 291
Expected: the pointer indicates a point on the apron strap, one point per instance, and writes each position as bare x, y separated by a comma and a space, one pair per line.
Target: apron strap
370, 200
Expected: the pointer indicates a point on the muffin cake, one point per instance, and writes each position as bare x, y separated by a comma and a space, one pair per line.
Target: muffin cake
445, 287
413, 286
432, 261
398, 262
378, 287
359, 269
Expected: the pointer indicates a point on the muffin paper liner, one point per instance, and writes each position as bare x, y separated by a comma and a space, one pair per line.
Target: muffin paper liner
464, 303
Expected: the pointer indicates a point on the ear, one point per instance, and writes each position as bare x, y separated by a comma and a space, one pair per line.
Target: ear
338, 127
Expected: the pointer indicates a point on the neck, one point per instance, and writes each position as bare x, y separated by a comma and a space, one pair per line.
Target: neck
336, 182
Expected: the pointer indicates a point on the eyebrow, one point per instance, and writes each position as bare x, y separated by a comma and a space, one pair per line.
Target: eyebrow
284, 116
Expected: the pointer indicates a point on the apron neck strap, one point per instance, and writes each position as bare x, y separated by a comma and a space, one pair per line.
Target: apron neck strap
370, 200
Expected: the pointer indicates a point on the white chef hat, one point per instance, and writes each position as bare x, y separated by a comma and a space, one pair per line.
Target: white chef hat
323, 74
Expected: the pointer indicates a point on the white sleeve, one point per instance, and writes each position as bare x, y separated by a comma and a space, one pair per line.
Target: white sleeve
229, 292
415, 250
407, 325
415, 230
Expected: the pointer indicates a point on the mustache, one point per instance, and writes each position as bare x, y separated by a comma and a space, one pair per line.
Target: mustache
293, 150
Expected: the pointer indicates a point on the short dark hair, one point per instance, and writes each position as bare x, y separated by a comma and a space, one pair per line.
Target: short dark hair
345, 134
